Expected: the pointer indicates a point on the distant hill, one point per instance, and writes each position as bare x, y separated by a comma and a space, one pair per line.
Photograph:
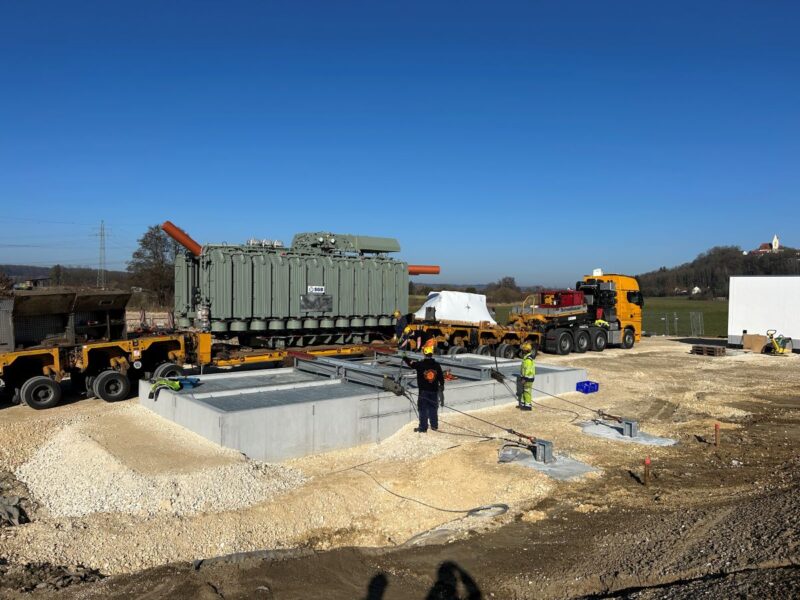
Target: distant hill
65, 276
711, 270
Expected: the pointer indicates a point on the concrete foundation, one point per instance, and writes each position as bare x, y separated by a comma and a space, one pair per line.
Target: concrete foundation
560, 467
615, 431
277, 414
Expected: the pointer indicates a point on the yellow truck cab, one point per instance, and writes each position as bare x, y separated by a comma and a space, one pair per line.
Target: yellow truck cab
624, 313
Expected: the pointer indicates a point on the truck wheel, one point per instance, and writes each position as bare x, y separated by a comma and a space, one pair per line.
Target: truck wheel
582, 341
40, 392
564, 343
112, 386
167, 370
599, 340
506, 351
483, 350
628, 339
453, 350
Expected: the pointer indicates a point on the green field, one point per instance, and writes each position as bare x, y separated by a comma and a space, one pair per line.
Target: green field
715, 314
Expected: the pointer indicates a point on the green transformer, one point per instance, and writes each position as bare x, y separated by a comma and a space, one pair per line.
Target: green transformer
324, 289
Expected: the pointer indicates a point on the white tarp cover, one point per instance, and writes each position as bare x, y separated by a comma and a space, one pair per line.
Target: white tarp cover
759, 303
457, 306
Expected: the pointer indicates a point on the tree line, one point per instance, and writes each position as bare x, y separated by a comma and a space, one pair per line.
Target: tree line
711, 271
61, 276
503, 291
150, 273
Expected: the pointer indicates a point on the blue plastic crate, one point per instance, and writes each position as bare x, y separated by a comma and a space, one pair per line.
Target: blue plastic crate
587, 387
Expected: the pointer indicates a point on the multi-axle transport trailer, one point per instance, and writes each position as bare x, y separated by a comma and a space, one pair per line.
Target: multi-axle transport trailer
601, 311
82, 348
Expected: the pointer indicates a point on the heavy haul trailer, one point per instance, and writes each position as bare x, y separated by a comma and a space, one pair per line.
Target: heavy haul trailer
49, 337
108, 370
457, 337
323, 289
603, 310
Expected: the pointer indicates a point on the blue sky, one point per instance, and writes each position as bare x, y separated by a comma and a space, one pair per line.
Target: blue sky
532, 139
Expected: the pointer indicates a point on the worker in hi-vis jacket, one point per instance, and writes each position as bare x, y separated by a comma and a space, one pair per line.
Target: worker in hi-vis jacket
527, 373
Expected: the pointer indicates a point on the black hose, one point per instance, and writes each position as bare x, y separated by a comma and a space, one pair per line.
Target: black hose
506, 429
592, 410
468, 512
552, 408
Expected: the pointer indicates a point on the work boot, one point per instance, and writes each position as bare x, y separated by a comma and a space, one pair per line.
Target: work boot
418, 430
527, 407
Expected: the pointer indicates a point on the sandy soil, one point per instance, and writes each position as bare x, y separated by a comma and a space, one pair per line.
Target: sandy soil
604, 534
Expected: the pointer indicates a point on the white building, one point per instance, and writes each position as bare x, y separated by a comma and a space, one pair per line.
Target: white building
757, 304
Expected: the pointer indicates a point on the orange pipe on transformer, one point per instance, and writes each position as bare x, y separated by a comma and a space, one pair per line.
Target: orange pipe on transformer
423, 269
183, 238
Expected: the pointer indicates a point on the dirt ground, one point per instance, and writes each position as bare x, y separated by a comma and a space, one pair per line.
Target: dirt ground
350, 524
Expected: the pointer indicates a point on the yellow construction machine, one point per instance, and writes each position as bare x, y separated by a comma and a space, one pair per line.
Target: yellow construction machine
777, 344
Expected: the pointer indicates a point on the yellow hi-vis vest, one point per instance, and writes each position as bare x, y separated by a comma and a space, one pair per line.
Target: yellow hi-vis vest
528, 367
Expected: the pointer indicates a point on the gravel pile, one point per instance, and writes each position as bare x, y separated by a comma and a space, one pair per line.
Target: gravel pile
72, 476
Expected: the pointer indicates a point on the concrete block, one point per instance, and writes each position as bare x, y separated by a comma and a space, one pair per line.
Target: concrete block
284, 413
630, 428
544, 451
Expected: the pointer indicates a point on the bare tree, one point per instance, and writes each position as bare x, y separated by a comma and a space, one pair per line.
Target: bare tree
152, 265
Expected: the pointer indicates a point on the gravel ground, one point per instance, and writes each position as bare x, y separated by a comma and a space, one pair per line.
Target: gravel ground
99, 506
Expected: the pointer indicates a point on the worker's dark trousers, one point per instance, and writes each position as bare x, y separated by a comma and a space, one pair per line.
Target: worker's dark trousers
428, 404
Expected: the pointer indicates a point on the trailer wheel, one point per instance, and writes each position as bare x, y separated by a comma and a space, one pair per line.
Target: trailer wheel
628, 339
453, 350
506, 351
89, 385
112, 386
40, 392
599, 340
582, 341
483, 350
167, 370
564, 343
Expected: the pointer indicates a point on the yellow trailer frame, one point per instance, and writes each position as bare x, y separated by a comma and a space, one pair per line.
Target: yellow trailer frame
204, 354
51, 361
121, 354
471, 335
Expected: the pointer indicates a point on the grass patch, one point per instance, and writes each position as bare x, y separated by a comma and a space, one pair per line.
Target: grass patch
715, 315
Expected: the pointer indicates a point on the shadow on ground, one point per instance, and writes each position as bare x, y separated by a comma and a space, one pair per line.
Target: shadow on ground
451, 581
